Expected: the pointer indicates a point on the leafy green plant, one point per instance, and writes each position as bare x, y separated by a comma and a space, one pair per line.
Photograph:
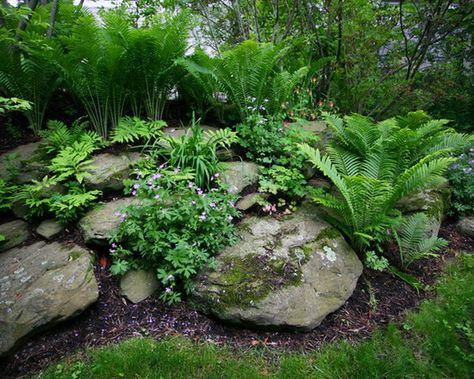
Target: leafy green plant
7, 192
175, 230
281, 180
12, 104
373, 166
251, 76
461, 177
58, 135
197, 150
414, 239
73, 161
133, 129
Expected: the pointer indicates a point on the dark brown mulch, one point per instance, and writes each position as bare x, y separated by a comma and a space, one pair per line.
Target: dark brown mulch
112, 319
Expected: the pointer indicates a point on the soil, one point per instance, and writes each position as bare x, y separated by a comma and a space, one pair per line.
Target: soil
378, 299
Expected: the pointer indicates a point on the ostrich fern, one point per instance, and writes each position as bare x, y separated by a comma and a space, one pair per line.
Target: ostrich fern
371, 174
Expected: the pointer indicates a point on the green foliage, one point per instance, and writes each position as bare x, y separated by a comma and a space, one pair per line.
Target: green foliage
29, 71
72, 162
461, 177
373, 166
197, 150
7, 191
250, 75
414, 239
57, 135
282, 180
175, 231
131, 130
13, 104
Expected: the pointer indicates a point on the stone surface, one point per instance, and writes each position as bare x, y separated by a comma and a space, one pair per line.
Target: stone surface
98, 225
321, 129
49, 229
239, 175
466, 226
137, 285
109, 171
282, 274
433, 202
248, 201
23, 164
15, 233
42, 284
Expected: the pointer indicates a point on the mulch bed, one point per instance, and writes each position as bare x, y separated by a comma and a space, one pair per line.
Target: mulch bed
112, 319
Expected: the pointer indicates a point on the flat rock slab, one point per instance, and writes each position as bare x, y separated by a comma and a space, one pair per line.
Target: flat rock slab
239, 175
42, 284
49, 229
248, 201
15, 233
98, 225
466, 226
282, 274
109, 171
137, 285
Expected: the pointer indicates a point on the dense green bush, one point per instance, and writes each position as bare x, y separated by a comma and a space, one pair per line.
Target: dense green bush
374, 165
175, 230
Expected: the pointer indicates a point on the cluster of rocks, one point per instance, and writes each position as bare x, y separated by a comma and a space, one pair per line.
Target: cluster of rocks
285, 273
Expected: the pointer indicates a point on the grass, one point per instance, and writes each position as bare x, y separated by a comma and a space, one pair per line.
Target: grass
437, 341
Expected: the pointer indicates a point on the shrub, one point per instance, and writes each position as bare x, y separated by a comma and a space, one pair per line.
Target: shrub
461, 177
175, 230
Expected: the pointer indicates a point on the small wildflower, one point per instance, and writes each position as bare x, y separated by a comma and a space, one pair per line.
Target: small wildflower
157, 196
467, 170
161, 166
199, 191
190, 185
193, 202
230, 218
168, 289
114, 245
169, 277
134, 193
156, 176
203, 216
212, 205
136, 186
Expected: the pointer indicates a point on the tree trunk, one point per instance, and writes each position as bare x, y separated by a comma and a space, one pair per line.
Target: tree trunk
52, 18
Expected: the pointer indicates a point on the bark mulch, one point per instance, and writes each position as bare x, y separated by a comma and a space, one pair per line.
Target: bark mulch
378, 299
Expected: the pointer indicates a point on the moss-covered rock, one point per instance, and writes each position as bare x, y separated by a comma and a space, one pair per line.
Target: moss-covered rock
288, 274
15, 233
239, 175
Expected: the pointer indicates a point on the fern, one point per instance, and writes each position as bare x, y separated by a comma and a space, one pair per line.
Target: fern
72, 162
414, 241
374, 165
134, 129
68, 207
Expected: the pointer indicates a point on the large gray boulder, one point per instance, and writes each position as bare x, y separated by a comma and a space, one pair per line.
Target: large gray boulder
15, 233
239, 175
109, 171
287, 273
40, 285
49, 229
433, 202
466, 226
98, 225
137, 285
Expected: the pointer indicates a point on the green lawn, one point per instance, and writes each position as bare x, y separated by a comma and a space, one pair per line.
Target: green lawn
437, 341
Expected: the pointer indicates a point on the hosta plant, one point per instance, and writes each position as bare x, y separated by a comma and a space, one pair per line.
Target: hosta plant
175, 230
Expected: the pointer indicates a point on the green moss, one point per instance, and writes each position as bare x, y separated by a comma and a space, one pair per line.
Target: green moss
247, 280
328, 234
75, 255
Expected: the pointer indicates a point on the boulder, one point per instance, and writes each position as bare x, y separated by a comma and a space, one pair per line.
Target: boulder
15, 233
433, 202
239, 175
287, 273
248, 201
40, 285
98, 225
109, 171
23, 164
49, 229
137, 285
466, 226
